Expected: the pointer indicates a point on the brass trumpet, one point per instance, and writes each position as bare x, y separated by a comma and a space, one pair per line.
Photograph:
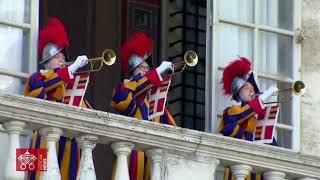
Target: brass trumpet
108, 58
190, 58
297, 88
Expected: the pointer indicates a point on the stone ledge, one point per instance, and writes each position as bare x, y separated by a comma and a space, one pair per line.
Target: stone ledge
112, 127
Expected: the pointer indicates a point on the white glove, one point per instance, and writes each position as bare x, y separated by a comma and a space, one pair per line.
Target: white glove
164, 67
264, 96
79, 63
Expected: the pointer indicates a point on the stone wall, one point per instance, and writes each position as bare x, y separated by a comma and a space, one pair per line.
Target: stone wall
310, 106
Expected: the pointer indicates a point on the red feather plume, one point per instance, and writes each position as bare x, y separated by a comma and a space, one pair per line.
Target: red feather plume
55, 32
236, 68
139, 44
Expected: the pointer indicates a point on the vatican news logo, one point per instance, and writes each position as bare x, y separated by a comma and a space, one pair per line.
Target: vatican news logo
31, 159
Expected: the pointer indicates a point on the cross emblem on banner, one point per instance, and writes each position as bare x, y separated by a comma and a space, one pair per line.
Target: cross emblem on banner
76, 89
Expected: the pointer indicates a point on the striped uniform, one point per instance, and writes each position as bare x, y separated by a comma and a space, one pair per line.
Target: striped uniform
51, 86
240, 120
132, 99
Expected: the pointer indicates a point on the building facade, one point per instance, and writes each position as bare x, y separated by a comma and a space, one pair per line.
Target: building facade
280, 37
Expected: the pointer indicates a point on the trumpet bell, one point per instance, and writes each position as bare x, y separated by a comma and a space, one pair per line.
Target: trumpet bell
108, 57
298, 88
190, 58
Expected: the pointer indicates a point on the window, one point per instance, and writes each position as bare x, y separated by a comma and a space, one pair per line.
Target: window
18, 37
18, 53
262, 31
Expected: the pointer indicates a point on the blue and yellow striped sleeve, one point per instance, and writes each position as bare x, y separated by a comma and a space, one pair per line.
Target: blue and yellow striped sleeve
53, 81
125, 94
56, 78
141, 84
239, 121
35, 86
123, 101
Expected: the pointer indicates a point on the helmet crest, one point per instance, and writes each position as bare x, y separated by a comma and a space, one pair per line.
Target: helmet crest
52, 39
236, 74
135, 51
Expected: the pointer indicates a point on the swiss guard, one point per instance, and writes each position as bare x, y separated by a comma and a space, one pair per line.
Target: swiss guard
50, 84
241, 118
143, 94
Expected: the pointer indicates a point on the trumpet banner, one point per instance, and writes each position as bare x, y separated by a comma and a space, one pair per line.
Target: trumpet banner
158, 98
76, 89
266, 124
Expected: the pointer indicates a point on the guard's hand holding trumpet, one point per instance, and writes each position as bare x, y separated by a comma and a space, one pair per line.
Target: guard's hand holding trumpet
265, 95
78, 63
165, 68
297, 88
190, 58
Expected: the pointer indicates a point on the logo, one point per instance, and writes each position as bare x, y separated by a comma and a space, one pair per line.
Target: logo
31, 159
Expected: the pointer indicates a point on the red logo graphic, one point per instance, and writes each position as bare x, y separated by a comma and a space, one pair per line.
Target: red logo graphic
31, 159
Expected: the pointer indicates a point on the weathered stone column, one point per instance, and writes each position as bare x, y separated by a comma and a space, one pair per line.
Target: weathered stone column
122, 150
14, 129
274, 175
86, 169
156, 157
240, 171
52, 136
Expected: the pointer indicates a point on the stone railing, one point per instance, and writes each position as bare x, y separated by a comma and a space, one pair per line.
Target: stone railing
176, 153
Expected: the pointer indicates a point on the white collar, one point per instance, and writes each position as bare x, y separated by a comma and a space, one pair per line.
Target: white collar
235, 103
43, 70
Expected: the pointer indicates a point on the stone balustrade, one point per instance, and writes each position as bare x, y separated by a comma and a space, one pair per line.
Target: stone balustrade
176, 153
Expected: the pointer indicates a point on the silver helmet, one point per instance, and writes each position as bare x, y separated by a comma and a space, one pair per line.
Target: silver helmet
238, 82
135, 61
49, 51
